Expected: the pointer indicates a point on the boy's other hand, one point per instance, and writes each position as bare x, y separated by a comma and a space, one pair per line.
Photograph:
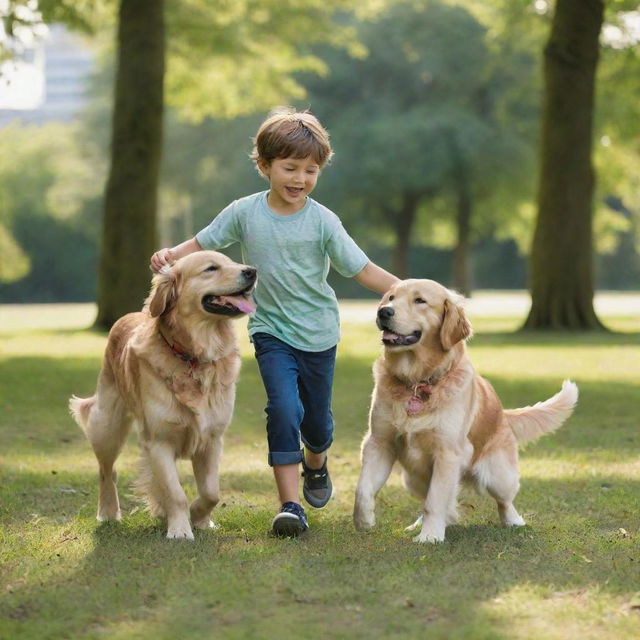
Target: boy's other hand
160, 259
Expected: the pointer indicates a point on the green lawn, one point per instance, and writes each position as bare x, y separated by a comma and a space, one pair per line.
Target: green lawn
573, 572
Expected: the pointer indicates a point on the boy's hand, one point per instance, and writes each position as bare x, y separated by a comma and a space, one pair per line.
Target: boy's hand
160, 259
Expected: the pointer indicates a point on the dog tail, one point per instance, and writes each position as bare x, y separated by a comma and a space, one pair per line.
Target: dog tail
146, 486
529, 423
80, 409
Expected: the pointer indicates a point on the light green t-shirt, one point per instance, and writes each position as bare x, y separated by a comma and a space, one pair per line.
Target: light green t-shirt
292, 255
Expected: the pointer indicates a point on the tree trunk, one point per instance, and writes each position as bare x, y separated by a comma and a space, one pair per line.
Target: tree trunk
404, 220
462, 249
129, 225
561, 277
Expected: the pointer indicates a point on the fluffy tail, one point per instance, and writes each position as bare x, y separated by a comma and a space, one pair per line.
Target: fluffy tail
80, 409
529, 423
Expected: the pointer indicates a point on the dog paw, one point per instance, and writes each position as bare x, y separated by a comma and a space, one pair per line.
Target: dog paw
422, 538
104, 517
431, 532
364, 523
179, 533
515, 522
206, 524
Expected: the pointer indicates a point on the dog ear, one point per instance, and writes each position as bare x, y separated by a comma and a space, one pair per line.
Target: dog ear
455, 326
163, 294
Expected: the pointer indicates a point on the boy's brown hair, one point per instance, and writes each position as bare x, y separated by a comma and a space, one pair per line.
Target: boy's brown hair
287, 133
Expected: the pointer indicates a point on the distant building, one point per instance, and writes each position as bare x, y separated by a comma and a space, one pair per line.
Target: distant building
47, 80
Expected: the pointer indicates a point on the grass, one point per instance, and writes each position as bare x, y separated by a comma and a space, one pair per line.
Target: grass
572, 572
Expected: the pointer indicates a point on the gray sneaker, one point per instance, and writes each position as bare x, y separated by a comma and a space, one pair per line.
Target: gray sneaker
317, 487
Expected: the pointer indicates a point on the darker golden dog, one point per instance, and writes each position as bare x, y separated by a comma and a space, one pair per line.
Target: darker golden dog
171, 369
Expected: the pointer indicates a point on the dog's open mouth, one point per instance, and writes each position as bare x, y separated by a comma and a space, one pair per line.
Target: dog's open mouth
390, 339
233, 304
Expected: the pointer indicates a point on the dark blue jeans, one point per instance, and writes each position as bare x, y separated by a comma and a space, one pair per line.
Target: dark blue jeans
298, 385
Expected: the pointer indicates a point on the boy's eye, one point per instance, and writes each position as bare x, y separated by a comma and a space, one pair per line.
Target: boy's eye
212, 267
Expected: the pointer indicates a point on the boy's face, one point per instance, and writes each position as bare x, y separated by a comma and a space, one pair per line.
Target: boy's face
291, 180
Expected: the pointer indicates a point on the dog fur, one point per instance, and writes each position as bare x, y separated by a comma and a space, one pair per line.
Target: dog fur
171, 369
438, 418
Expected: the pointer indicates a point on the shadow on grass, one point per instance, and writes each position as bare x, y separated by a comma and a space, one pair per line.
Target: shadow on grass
239, 582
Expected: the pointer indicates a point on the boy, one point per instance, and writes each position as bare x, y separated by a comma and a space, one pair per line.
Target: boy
291, 240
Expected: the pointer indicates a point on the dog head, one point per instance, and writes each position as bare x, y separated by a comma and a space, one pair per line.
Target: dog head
204, 283
415, 312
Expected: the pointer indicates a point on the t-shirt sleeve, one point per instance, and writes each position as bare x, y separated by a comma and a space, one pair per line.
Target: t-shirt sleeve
223, 230
347, 258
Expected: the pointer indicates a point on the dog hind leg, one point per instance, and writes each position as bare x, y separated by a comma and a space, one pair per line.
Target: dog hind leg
498, 475
106, 423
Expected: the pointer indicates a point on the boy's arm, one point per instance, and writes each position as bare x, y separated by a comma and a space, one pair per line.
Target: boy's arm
375, 278
168, 256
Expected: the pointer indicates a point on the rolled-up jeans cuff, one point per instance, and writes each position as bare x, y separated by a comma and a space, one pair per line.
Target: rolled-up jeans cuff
285, 457
317, 449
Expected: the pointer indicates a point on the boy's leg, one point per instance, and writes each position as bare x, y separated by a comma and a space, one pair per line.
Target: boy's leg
288, 481
314, 460
279, 372
315, 384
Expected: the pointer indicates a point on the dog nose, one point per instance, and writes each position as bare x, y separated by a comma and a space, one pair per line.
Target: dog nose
249, 274
384, 313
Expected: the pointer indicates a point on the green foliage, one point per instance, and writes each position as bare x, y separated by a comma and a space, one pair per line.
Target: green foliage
228, 59
440, 93
48, 190
14, 263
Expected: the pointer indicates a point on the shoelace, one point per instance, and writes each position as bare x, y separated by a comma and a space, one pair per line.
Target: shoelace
296, 510
315, 479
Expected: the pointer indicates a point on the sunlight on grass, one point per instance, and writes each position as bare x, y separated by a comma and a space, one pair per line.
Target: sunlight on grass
570, 573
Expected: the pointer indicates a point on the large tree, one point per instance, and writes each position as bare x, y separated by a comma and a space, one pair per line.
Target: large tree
130, 205
561, 274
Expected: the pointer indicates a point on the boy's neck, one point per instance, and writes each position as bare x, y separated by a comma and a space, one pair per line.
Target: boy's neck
284, 208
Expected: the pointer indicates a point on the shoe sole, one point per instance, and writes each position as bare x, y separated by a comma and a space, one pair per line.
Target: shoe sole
287, 525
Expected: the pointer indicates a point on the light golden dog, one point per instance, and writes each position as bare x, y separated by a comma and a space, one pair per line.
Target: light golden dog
171, 369
436, 416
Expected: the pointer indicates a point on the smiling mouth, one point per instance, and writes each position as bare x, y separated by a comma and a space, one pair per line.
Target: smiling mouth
233, 304
391, 339
294, 191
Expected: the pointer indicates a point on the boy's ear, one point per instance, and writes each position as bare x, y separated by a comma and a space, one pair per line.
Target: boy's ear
263, 166
164, 292
455, 326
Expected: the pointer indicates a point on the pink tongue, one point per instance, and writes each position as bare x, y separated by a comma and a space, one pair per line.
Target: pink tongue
239, 302
387, 335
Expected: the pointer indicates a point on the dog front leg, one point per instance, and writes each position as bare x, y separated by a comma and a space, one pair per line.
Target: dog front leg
206, 464
377, 462
167, 484
441, 497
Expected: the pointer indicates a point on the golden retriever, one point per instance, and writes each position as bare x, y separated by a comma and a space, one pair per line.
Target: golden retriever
435, 415
171, 369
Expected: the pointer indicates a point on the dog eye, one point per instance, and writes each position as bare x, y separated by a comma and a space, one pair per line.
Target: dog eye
391, 298
211, 268
420, 301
